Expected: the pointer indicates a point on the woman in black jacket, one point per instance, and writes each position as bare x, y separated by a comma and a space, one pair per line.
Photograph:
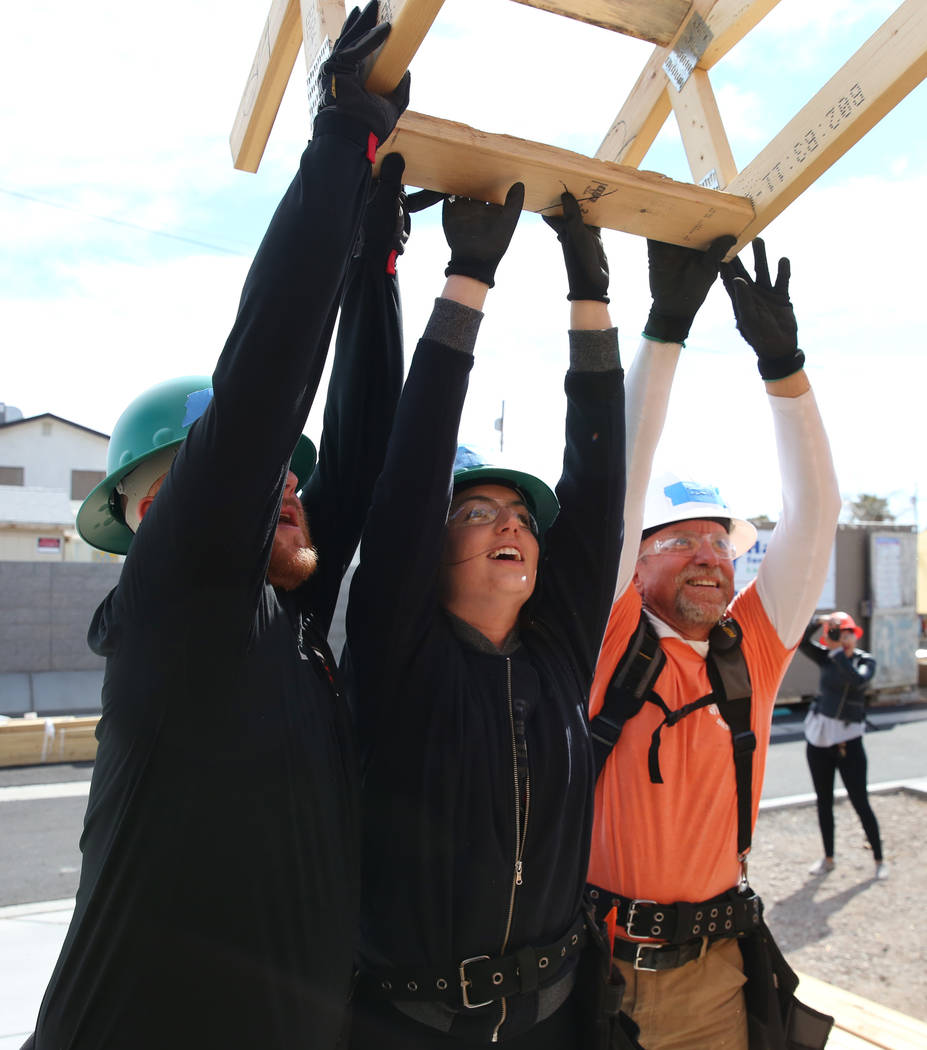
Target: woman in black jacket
834, 730
473, 626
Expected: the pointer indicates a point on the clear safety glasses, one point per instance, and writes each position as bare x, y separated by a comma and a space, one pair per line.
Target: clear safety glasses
689, 543
483, 510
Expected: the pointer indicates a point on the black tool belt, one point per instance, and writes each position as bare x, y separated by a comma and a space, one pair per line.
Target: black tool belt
653, 957
479, 980
729, 915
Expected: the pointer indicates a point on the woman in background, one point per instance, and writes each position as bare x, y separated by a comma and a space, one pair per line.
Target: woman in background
834, 730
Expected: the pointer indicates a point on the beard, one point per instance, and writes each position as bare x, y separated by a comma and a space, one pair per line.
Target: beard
292, 562
705, 613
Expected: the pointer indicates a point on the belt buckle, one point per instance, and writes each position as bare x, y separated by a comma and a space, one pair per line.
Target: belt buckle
638, 965
465, 982
632, 911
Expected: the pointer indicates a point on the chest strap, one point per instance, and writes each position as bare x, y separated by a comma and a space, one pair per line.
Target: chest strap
632, 685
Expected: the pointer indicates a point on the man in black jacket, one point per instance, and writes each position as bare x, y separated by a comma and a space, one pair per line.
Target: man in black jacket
218, 894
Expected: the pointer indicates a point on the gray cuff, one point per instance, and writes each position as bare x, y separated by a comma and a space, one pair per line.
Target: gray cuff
454, 325
594, 350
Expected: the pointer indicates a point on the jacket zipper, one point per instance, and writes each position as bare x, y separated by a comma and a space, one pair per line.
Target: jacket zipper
843, 700
521, 827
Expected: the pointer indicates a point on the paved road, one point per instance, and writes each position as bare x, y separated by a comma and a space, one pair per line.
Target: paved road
42, 807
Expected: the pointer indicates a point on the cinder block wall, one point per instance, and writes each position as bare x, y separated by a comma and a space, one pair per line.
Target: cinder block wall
45, 609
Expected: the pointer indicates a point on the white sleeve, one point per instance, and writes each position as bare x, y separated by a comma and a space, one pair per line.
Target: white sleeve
647, 390
793, 571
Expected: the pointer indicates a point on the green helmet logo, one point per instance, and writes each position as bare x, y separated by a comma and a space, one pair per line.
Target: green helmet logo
158, 419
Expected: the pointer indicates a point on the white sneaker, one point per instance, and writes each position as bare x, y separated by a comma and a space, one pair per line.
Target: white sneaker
822, 867
881, 871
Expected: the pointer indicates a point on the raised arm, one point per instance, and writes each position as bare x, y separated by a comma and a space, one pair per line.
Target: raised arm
809, 647
363, 390
680, 279
583, 545
788, 585
267, 375
394, 593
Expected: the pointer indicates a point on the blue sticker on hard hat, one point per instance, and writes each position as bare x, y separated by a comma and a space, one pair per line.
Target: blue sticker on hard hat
196, 405
688, 492
467, 458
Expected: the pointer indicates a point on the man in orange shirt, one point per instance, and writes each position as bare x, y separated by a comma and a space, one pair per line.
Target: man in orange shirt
668, 851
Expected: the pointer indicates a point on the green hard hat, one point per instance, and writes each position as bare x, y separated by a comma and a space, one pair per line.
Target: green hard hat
157, 419
470, 467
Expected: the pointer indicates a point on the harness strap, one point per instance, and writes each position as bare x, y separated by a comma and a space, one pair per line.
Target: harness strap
634, 676
730, 680
632, 685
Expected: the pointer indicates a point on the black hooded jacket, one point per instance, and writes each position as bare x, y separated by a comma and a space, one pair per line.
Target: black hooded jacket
219, 885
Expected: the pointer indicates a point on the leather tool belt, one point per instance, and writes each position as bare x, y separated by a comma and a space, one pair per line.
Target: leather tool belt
729, 915
479, 980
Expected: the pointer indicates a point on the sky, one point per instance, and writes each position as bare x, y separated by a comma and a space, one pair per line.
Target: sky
127, 233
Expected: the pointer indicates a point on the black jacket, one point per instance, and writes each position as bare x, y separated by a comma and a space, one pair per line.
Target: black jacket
441, 715
843, 678
219, 886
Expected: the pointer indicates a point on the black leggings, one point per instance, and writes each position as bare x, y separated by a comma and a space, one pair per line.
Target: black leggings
850, 759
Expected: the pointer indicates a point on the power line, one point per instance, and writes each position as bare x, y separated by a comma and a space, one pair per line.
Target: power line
196, 242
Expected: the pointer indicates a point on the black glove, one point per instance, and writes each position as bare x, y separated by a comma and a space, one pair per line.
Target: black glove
680, 278
764, 313
386, 221
583, 254
341, 79
479, 233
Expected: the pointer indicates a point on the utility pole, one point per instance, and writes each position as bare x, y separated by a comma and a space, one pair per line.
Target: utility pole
500, 426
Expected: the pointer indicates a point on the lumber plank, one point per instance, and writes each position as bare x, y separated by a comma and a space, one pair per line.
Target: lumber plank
321, 20
644, 19
34, 741
891, 63
646, 108
410, 25
729, 22
454, 158
270, 72
878, 1025
644, 113
703, 135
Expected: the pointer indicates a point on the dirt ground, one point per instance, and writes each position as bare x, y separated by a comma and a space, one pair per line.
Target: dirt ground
846, 928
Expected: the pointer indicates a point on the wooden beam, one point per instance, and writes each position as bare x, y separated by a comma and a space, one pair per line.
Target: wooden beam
321, 21
454, 158
646, 108
410, 26
32, 741
657, 22
644, 113
729, 22
891, 63
703, 136
876, 1025
270, 72
288, 22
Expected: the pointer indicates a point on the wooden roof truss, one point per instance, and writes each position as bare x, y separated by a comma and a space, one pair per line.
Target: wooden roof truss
689, 38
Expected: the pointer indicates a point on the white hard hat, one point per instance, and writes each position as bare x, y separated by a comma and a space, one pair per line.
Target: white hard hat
671, 499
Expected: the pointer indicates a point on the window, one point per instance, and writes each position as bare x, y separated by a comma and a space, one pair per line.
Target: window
83, 481
11, 476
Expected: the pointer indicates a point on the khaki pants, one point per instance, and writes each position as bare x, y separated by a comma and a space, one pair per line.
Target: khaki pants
699, 1006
